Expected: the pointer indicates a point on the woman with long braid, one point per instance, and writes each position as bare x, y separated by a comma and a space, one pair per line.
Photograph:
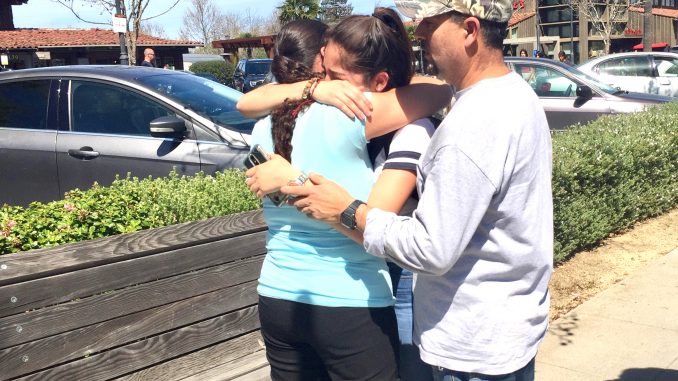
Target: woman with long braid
325, 305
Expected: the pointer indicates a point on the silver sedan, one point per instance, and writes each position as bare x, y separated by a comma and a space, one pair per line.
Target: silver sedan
645, 72
570, 96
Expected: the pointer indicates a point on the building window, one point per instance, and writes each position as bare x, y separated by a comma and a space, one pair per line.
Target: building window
562, 30
556, 15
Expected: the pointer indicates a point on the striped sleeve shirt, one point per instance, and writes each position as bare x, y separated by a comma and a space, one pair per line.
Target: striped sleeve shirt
407, 146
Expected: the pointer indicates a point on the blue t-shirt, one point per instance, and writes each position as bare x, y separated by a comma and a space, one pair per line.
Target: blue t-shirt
308, 261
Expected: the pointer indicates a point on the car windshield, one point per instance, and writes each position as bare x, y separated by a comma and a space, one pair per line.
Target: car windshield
207, 98
602, 86
258, 67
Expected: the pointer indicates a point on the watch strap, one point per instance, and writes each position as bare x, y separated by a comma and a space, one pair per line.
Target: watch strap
347, 217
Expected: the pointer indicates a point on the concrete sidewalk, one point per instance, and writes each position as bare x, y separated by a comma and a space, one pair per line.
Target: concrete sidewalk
628, 332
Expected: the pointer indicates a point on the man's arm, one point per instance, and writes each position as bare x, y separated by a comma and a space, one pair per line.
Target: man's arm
455, 198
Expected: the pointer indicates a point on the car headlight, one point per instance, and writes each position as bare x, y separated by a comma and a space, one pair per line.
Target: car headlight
256, 83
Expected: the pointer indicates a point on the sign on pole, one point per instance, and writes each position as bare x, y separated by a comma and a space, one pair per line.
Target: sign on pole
119, 23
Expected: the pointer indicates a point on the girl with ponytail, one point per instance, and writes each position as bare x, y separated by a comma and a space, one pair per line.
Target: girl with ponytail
325, 305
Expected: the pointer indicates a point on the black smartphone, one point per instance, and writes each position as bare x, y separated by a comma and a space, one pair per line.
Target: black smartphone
258, 156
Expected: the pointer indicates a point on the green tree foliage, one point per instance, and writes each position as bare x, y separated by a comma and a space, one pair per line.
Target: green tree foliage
410, 32
333, 11
291, 10
223, 70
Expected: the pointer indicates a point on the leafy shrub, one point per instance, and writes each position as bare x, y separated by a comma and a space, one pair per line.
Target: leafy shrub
128, 205
611, 173
223, 70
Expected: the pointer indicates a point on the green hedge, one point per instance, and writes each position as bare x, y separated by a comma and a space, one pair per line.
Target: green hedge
128, 205
611, 173
606, 176
223, 70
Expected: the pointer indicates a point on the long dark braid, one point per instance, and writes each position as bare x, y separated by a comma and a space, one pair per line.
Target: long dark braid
297, 45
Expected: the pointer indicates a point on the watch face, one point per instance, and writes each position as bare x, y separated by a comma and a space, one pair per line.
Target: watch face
348, 219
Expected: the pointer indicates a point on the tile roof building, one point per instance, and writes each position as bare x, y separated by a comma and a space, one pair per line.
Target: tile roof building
30, 47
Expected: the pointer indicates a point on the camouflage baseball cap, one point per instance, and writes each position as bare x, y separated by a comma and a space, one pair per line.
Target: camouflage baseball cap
492, 10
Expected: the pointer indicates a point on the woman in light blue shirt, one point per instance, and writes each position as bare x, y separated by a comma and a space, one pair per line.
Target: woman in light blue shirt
325, 305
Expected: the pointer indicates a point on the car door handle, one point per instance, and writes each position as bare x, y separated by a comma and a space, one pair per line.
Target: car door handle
85, 153
664, 81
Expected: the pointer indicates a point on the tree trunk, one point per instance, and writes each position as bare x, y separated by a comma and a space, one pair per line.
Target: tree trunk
131, 48
648, 30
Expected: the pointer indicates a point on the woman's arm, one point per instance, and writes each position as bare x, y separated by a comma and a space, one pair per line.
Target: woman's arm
390, 192
397, 107
340, 94
390, 110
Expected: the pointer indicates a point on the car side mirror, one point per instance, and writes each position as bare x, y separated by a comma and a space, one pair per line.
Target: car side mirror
167, 126
584, 92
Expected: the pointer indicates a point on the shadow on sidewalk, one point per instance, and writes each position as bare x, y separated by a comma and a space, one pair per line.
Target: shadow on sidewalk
564, 329
647, 374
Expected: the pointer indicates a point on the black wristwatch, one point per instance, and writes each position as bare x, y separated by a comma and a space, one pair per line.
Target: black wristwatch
347, 217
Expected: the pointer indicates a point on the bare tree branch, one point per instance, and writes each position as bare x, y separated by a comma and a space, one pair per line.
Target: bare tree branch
606, 16
162, 13
69, 5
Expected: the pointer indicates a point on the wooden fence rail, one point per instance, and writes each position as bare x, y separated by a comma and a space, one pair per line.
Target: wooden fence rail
173, 303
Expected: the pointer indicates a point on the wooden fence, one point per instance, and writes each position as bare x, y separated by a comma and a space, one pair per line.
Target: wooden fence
173, 303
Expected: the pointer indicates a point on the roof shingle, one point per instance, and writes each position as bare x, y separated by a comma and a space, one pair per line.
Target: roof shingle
517, 17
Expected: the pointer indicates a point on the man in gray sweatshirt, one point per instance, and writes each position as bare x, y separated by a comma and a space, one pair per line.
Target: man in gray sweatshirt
481, 238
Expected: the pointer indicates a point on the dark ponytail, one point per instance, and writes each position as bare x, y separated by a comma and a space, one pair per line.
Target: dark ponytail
374, 44
296, 48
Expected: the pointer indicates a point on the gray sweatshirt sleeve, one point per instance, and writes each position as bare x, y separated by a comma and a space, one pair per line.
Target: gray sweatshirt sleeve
455, 195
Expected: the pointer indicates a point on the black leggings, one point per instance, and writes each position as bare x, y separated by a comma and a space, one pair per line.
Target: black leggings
311, 343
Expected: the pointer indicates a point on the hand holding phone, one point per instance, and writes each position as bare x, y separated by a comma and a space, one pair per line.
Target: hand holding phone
258, 156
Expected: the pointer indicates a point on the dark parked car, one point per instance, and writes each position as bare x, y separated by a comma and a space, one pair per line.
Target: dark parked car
66, 127
570, 96
250, 73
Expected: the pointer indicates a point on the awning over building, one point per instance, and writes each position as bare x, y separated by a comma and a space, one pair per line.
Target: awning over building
231, 46
656, 45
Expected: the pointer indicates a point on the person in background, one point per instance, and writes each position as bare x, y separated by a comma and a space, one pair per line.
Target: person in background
481, 237
562, 57
541, 54
523, 53
149, 58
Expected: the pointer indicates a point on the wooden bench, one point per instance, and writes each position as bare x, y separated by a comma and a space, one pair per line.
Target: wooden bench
173, 303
